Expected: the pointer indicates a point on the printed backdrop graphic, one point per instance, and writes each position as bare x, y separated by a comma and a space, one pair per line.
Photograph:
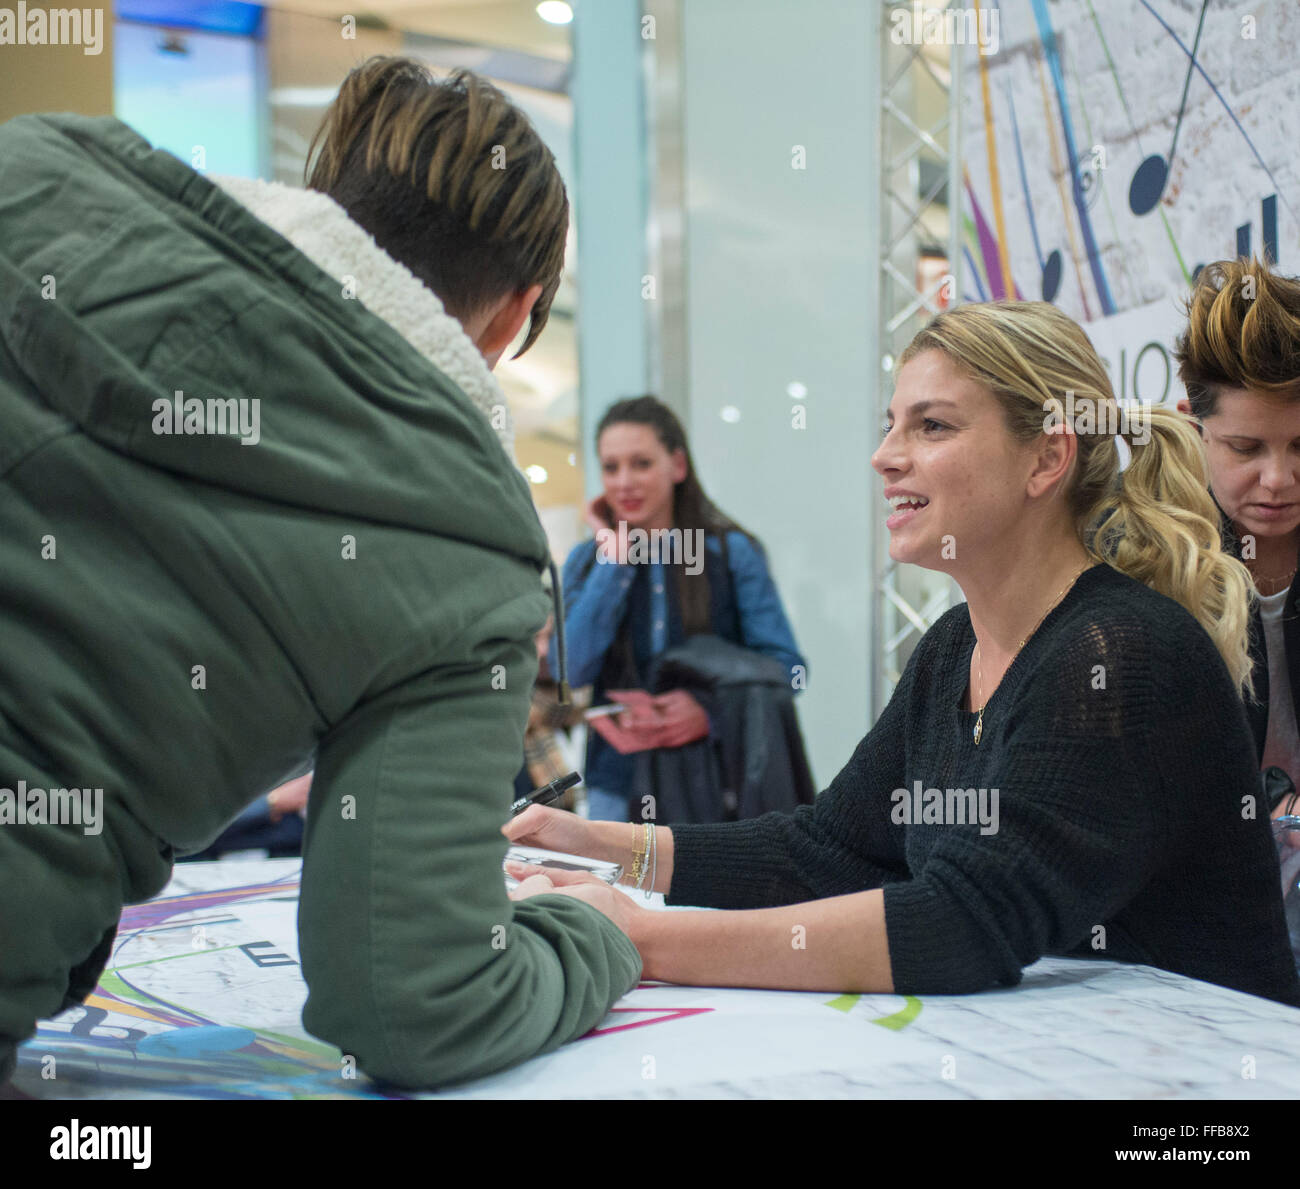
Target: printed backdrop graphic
1113, 147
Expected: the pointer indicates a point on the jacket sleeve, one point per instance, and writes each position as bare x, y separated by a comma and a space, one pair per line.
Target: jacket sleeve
593, 608
763, 623
417, 963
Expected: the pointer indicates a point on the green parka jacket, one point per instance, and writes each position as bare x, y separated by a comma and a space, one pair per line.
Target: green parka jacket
186, 618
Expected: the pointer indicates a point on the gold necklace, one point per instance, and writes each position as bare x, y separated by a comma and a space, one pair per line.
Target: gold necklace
979, 660
1280, 578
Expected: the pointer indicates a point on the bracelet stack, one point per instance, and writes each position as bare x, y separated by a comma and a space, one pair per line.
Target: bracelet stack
645, 858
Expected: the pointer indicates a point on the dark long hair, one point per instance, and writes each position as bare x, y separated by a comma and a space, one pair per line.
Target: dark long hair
692, 509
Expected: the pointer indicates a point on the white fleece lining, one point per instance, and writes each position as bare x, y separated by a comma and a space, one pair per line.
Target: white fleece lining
322, 231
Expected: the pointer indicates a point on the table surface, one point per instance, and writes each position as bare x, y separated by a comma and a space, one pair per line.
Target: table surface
202, 998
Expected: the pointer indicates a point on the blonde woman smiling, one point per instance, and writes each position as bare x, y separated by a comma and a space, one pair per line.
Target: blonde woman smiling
1093, 678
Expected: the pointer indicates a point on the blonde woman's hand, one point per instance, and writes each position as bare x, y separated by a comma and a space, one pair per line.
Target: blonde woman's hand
553, 829
581, 885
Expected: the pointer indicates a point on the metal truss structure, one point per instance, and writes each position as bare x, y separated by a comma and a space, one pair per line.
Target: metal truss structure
916, 213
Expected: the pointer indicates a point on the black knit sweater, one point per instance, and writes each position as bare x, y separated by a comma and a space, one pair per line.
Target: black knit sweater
1122, 759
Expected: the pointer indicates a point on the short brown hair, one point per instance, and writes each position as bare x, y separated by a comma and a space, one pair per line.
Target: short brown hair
451, 179
1243, 331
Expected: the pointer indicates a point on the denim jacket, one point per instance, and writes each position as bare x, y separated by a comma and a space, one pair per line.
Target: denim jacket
600, 598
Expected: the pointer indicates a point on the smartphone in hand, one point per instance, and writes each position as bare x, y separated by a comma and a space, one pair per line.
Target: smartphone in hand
601, 711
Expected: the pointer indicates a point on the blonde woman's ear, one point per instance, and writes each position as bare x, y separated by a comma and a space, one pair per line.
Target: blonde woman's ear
1054, 457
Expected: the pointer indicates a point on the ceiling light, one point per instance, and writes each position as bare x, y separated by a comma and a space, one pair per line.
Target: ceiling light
555, 12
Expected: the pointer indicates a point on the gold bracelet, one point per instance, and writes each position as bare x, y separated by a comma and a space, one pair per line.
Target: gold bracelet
638, 856
645, 854
645, 846
654, 860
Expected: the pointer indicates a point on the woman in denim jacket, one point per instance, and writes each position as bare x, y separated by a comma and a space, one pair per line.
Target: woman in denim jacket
665, 564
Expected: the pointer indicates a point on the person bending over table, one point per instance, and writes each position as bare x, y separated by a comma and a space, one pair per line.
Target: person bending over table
186, 622
1080, 717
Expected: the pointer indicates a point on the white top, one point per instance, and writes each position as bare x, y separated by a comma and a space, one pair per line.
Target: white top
1281, 743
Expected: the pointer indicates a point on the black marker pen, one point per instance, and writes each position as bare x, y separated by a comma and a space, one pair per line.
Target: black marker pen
546, 794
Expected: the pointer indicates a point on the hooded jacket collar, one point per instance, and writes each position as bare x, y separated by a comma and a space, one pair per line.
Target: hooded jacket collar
323, 232
169, 287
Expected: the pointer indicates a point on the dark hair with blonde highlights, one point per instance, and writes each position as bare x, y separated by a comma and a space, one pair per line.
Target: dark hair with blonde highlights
1243, 331
451, 179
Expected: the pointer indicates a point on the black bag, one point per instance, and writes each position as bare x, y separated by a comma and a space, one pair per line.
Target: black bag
754, 759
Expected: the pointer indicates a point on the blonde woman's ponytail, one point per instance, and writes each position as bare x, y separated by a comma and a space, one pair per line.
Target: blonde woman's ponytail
1161, 526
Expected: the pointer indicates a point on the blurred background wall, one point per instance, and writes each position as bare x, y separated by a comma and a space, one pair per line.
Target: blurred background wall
761, 197
57, 77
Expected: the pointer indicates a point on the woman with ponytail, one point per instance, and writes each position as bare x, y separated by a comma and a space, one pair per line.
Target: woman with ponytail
1239, 360
1059, 747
